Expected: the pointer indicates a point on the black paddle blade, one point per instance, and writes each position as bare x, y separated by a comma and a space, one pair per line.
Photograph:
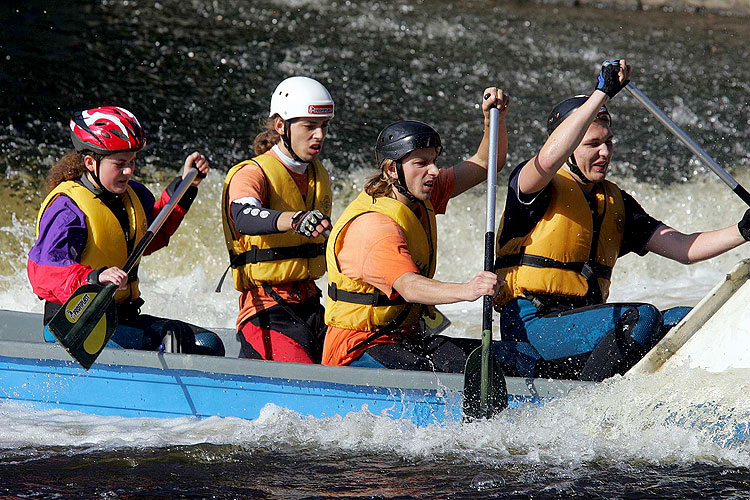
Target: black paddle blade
85, 323
498, 395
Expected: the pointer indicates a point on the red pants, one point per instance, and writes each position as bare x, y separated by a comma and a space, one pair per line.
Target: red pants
274, 335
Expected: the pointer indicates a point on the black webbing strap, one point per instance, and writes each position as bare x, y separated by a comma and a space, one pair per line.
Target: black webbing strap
375, 299
586, 269
392, 327
255, 254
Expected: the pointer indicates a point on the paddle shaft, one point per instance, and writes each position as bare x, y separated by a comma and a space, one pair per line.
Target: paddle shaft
159, 220
688, 142
489, 261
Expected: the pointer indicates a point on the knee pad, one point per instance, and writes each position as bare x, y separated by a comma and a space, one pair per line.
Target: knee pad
208, 343
642, 323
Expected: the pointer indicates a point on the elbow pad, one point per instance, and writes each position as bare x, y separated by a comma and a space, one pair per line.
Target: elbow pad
254, 220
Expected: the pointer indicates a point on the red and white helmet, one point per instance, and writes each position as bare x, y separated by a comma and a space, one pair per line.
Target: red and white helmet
301, 97
106, 130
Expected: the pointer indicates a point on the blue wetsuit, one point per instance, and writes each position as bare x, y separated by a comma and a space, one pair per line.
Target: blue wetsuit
569, 337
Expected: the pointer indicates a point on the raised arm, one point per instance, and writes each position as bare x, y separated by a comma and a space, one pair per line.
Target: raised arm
564, 139
473, 171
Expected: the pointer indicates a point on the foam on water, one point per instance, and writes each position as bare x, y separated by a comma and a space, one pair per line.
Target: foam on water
702, 418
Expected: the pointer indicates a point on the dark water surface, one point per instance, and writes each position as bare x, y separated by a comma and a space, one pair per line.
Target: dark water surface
199, 73
206, 471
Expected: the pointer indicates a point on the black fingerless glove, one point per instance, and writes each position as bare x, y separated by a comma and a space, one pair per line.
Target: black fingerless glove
305, 223
744, 225
609, 79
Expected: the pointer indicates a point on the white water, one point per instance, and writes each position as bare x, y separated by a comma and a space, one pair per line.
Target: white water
625, 418
621, 419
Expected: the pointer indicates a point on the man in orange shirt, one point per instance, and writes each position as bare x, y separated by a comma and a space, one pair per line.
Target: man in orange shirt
276, 212
381, 254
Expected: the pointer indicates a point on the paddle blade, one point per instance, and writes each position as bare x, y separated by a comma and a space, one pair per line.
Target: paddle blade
498, 394
85, 323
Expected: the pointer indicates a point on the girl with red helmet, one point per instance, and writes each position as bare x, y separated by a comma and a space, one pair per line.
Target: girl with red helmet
92, 218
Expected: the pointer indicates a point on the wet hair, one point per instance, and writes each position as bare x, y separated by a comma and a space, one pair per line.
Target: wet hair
380, 184
268, 138
68, 168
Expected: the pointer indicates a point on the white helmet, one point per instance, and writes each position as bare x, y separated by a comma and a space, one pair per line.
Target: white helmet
301, 97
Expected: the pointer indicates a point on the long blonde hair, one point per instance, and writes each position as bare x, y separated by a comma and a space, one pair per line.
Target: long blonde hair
268, 138
381, 184
68, 168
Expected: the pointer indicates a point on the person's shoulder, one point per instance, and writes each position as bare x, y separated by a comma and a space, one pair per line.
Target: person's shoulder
143, 193
373, 227
138, 186
373, 221
517, 169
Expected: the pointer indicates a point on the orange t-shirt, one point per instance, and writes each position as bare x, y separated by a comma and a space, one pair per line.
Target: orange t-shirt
250, 181
374, 250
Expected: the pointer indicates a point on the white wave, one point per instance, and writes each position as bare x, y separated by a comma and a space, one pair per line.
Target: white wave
680, 416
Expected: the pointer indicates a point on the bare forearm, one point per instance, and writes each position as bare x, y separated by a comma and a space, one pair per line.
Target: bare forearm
691, 248
481, 157
417, 289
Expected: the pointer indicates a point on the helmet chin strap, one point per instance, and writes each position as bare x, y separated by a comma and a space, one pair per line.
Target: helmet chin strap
287, 139
97, 180
575, 170
400, 185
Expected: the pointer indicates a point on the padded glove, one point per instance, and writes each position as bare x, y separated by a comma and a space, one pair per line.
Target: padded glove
609, 79
744, 225
305, 223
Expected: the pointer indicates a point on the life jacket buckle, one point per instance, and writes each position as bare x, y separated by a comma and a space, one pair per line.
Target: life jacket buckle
587, 271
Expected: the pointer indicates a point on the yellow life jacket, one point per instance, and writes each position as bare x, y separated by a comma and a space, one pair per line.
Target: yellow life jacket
279, 257
557, 257
357, 305
105, 239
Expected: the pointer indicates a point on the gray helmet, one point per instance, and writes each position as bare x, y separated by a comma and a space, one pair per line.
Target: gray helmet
401, 138
567, 107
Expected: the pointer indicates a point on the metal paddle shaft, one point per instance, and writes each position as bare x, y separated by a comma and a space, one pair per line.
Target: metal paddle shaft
687, 141
87, 320
485, 392
489, 261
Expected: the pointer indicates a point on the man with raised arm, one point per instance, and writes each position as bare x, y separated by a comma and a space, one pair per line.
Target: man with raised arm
563, 228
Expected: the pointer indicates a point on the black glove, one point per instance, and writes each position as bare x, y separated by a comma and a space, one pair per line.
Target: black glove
305, 223
744, 225
609, 79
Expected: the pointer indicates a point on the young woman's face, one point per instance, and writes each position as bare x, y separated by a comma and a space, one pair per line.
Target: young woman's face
420, 172
114, 170
308, 135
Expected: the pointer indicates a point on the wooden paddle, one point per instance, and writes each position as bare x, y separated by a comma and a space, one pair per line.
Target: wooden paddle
688, 142
87, 320
485, 393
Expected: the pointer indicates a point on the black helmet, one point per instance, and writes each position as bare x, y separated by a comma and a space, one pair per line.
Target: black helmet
565, 108
401, 138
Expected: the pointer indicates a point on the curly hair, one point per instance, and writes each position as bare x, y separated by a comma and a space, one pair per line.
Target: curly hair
268, 138
68, 168
380, 184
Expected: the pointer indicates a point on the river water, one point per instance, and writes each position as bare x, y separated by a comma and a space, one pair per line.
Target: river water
198, 74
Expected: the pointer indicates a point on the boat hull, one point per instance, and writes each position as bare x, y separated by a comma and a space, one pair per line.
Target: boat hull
133, 383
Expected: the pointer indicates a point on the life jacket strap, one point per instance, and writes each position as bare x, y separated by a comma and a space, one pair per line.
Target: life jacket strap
375, 298
255, 254
588, 269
